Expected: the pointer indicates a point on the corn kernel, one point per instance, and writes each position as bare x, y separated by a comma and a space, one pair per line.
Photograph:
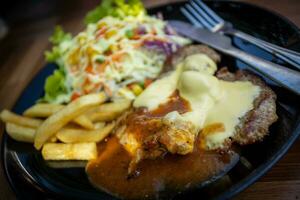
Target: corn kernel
101, 24
110, 33
137, 89
113, 48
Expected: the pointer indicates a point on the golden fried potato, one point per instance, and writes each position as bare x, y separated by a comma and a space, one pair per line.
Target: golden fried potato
84, 121
76, 151
108, 111
20, 133
99, 125
23, 133
68, 135
42, 110
10, 117
45, 110
56, 121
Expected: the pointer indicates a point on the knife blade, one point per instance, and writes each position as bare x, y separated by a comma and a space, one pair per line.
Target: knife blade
288, 78
215, 40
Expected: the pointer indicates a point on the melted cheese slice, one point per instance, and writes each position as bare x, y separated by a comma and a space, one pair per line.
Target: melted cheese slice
212, 100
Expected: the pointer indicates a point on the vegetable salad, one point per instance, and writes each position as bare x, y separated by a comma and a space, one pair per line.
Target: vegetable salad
118, 55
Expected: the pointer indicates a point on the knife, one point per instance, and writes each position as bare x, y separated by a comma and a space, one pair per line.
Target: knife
288, 78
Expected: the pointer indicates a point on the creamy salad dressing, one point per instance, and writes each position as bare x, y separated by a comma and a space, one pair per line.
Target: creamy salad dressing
212, 100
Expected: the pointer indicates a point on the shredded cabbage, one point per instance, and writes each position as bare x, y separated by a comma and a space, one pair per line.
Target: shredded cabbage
111, 54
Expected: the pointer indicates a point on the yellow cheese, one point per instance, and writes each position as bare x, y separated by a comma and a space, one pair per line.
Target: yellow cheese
237, 99
199, 62
202, 91
212, 100
159, 91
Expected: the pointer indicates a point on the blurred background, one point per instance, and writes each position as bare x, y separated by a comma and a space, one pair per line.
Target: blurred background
41, 14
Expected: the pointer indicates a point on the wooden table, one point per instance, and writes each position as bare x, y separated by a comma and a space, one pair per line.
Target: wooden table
21, 57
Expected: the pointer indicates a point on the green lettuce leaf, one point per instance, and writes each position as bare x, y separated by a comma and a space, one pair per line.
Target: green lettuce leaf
58, 37
55, 86
53, 55
115, 8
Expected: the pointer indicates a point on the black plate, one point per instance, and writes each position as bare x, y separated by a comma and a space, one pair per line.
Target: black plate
30, 177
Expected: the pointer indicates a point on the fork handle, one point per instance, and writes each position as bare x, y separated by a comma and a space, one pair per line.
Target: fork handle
287, 55
285, 77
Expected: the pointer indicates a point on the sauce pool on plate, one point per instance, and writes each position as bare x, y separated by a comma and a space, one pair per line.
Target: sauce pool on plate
155, 178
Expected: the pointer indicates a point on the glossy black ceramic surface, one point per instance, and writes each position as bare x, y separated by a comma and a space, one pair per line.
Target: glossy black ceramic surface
31, 177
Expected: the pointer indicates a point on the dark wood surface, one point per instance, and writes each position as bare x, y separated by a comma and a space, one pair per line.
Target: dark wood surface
21, 57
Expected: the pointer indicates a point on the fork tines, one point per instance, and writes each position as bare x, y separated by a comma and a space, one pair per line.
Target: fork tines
201, 15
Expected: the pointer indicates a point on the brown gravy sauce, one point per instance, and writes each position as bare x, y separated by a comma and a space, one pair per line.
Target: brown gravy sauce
175, 103
109, 172
156, 177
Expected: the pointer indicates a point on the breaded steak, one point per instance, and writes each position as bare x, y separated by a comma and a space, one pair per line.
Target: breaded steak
255, 124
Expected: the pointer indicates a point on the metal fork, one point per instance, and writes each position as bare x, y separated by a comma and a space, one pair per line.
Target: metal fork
202, 16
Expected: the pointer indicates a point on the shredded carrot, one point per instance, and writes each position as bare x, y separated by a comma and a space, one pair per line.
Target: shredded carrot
86, 85
89, 69
101, 32
75, 95
101, 67
137, 45
136, 35
147, 82
97, 87
117, 57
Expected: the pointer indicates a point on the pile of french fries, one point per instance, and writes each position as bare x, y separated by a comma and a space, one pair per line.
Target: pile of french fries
66, 132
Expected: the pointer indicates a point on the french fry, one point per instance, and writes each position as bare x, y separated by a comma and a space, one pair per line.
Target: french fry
103, 116
108, 111
56, 121
77, 151
42, 110
46, 110
10, 117
20, 133
84, 121
76, 135
23, 133
99, 125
